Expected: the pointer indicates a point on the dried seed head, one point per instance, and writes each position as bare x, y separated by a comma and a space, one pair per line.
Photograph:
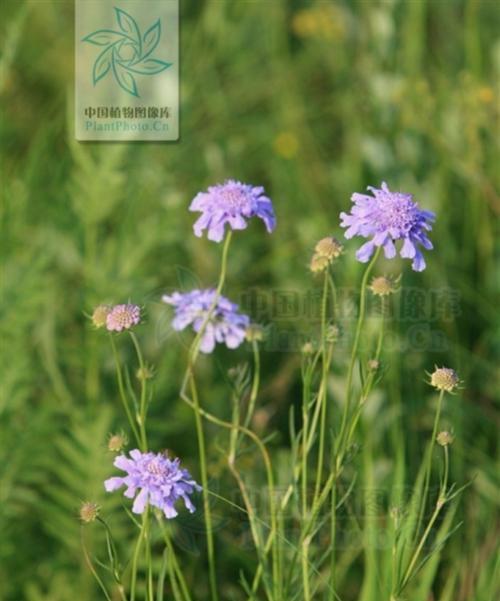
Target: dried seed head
117, 442
89, 512
329, 247
445, 438
319, 263
254, 333
100, 315
444, 378
383, 285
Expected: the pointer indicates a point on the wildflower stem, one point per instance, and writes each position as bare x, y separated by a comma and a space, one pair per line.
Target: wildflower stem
141, 418
175, 563
88, 561
135, 557
355, 347
270, 482
204, 481
255, 383
324, 388
429, 461
121, 389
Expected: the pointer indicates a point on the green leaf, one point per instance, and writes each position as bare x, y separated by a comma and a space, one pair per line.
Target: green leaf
103, 37
127, 24
151, 39
150, 66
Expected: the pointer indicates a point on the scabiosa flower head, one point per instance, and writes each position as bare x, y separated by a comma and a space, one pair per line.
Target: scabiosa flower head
123, 317
444, 378
226, 324
233, 203
89, 512
385, 218
100, 315
155, 479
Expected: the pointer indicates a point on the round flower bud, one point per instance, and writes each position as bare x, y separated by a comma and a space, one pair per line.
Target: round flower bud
444, 378
117, 442
445, 438
383, 286
89, 512
308, 348
254, 333
319, 263
144, 373
100, 315
329, 247
373, 364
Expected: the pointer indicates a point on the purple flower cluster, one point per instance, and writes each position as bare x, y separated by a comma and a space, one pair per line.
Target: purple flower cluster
233, 203
226, 324
386, 217
160, 482
123, 317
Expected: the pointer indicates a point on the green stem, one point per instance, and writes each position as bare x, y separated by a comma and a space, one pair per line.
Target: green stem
324, 379
354, 353
204, 482
175, 563
141, 418
121, 389
255, 384
135, 557
428, 468
91, 567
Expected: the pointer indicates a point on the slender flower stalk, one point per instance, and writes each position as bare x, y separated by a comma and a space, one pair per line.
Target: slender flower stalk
355, 347
123, 395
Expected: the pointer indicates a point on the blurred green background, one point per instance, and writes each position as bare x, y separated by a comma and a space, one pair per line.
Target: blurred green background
313, 100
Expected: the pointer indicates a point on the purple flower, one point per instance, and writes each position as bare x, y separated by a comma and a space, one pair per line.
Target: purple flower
123, 317
159, 480
225, 323
386, 217
231, 202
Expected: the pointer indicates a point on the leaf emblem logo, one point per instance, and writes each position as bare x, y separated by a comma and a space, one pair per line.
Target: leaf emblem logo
126, 53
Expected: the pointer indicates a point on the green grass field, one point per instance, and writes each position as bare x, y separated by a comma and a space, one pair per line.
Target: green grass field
314, 101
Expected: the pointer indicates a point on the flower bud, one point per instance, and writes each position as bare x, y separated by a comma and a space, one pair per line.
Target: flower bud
254, 333
89, 512
445, 438
100, 315
444, 378
144, 373
117, 442
373, 364
308, 348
